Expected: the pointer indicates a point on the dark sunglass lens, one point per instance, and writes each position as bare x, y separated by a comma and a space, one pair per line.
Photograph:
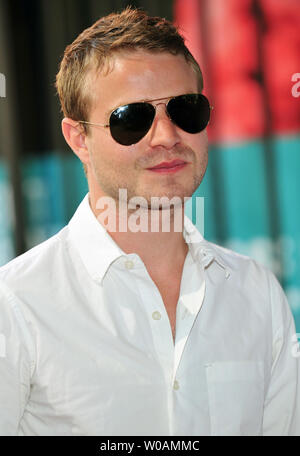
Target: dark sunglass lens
191, 112
130, 123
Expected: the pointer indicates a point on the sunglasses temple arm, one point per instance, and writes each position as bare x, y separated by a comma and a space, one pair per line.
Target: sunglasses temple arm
92, 123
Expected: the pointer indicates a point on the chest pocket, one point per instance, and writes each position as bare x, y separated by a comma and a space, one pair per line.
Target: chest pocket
236, 397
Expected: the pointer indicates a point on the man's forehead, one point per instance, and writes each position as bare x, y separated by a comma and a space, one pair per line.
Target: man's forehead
130, 59
130, 76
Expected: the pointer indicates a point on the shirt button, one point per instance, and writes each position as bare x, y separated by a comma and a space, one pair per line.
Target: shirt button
176, 385
156, 315
129, 264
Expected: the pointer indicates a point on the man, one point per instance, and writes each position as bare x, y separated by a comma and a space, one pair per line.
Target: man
111, 330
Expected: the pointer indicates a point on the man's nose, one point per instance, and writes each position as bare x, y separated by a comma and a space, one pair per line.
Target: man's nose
163, 131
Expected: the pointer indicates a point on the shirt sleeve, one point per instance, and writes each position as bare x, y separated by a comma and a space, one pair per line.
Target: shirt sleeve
282, 403
15, 363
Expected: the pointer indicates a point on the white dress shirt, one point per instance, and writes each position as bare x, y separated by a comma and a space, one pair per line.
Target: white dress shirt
86, 346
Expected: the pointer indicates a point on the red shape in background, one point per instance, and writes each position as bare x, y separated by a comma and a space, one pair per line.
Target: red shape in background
282, 59
227, 50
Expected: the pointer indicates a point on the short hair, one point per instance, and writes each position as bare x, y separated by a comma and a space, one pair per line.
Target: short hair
131, 29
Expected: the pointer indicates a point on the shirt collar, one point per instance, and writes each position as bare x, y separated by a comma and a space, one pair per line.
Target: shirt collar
98, 250
95, 246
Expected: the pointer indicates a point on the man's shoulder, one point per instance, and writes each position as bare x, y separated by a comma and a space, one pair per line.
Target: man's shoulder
36, 261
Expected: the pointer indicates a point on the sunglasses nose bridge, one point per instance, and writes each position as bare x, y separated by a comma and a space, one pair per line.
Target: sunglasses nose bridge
165, 104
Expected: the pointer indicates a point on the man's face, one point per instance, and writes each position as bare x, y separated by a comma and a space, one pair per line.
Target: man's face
138, 76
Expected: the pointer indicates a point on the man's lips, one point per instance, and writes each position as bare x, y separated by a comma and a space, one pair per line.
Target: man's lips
168, 165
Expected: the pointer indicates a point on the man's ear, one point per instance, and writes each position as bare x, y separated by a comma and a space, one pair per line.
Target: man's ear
76, 138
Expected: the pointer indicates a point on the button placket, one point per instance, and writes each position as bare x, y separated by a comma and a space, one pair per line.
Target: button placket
190, 305
159, 324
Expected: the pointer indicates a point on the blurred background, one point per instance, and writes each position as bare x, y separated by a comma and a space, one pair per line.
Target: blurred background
249, 51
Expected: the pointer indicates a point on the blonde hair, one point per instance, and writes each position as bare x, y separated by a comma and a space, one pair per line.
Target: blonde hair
132, 29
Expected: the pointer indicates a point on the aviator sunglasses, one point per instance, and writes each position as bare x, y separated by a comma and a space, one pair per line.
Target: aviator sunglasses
131, 122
